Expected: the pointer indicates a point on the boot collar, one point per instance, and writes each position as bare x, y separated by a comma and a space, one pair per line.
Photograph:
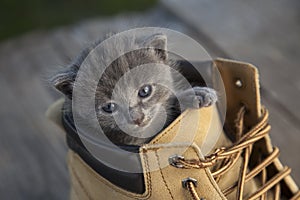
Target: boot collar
133, 182
191, 127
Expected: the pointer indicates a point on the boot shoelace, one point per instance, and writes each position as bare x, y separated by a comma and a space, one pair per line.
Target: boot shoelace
229, 156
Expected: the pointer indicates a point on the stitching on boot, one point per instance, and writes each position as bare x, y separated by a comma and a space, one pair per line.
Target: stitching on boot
154, 147
162, 175
75, 191
149, 184
72, 188
80, 183
112, 186
206, 171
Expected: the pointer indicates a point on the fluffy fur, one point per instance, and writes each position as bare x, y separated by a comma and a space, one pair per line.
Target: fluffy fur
136, 119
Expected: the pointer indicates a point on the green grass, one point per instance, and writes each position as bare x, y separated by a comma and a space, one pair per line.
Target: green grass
19, 16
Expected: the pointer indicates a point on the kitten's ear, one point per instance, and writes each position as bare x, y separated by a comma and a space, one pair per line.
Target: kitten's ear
63, 82
159, 44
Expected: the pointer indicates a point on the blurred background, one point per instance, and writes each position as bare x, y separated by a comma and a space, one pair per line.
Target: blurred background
37, 36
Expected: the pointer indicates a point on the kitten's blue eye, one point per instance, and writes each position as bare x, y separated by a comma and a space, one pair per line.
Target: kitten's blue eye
145, 91
110, 107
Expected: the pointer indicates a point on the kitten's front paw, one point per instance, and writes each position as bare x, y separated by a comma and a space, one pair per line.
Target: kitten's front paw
204, 97
197, 97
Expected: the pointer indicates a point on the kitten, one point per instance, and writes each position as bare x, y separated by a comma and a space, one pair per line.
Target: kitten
133, 106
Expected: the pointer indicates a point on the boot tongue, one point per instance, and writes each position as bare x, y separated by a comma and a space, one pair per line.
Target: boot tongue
202, 127
241, 84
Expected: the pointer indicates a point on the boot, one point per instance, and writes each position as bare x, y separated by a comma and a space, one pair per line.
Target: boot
242, 165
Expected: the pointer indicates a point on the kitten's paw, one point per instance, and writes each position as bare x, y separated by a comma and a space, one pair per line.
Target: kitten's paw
197, 97
204, 97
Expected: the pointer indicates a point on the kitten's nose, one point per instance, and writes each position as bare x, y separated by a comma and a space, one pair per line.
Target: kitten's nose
138, 121
137, 117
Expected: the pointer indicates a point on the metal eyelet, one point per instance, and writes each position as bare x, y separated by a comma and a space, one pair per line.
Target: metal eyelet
238, 83
189, 179
173, 160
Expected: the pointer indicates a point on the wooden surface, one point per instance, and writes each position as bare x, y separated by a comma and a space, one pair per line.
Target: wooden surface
32, 149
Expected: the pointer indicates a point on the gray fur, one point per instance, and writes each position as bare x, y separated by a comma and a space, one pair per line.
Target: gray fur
120, 84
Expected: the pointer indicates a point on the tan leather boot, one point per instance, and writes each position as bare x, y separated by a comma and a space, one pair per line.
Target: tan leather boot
242, 165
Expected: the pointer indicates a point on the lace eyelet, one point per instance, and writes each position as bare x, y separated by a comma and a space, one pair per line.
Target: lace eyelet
189, 179
173, 160
238, 83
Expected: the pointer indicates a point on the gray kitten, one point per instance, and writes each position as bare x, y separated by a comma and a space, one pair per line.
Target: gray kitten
136, 97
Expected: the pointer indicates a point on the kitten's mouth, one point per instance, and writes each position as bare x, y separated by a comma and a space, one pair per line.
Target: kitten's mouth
144, 123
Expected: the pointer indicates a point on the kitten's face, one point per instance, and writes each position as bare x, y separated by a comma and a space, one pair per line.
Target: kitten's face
135, 100
133, 94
